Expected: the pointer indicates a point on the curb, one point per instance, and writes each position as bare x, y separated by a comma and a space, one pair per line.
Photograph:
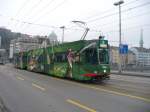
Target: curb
131, 74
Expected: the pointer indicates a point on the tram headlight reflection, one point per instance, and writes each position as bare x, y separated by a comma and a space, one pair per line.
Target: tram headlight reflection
95, 72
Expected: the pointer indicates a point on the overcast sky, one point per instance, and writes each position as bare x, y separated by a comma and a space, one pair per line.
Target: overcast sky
101, 17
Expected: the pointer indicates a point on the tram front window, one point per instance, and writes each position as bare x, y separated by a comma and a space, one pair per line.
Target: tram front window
103, 56
91, 56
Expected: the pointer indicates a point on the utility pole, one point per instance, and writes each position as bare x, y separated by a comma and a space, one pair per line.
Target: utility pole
120, 56
0, 41
63, 32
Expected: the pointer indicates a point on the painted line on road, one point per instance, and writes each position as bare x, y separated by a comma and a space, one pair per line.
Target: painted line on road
20, 78
39, 87
95, 88
80, 105
121, 94
106, 90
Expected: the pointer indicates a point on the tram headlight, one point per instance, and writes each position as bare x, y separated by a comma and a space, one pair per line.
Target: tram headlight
104, 71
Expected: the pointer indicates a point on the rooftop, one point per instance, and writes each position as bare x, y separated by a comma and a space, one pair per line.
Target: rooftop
142, 49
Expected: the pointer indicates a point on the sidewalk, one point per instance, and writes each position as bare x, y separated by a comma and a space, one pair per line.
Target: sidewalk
130, 73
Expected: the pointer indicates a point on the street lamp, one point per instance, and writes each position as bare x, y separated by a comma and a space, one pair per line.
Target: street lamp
63, 30
119, 4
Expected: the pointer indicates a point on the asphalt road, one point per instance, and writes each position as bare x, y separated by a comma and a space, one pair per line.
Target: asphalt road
23, 91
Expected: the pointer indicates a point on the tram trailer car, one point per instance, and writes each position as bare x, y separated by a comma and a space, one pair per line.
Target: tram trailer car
3, 56
20, 60
90, 60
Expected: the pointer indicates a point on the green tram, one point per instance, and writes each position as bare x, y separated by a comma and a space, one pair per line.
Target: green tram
90, 60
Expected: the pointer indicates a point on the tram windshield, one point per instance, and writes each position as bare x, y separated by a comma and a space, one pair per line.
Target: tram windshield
103, 56
97, 55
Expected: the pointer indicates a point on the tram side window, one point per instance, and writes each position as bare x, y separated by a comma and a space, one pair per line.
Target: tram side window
40, 58
18, 59
60, 57
91, 56
30, 58
24, 58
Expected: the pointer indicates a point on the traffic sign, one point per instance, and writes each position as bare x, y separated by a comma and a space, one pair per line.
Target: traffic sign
123, 48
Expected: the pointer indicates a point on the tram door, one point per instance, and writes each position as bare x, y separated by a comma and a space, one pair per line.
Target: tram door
76, 65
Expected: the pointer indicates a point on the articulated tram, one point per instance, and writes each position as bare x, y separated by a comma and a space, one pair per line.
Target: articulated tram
83, 60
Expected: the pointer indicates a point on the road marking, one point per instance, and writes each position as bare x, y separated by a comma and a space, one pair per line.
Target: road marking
121, 94
39, 87
80, 105
20, 78
95, 88
106, 90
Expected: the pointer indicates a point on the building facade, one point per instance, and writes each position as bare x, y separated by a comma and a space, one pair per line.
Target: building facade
25, 44
131, 60
126, 59
114, 55
142, 56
